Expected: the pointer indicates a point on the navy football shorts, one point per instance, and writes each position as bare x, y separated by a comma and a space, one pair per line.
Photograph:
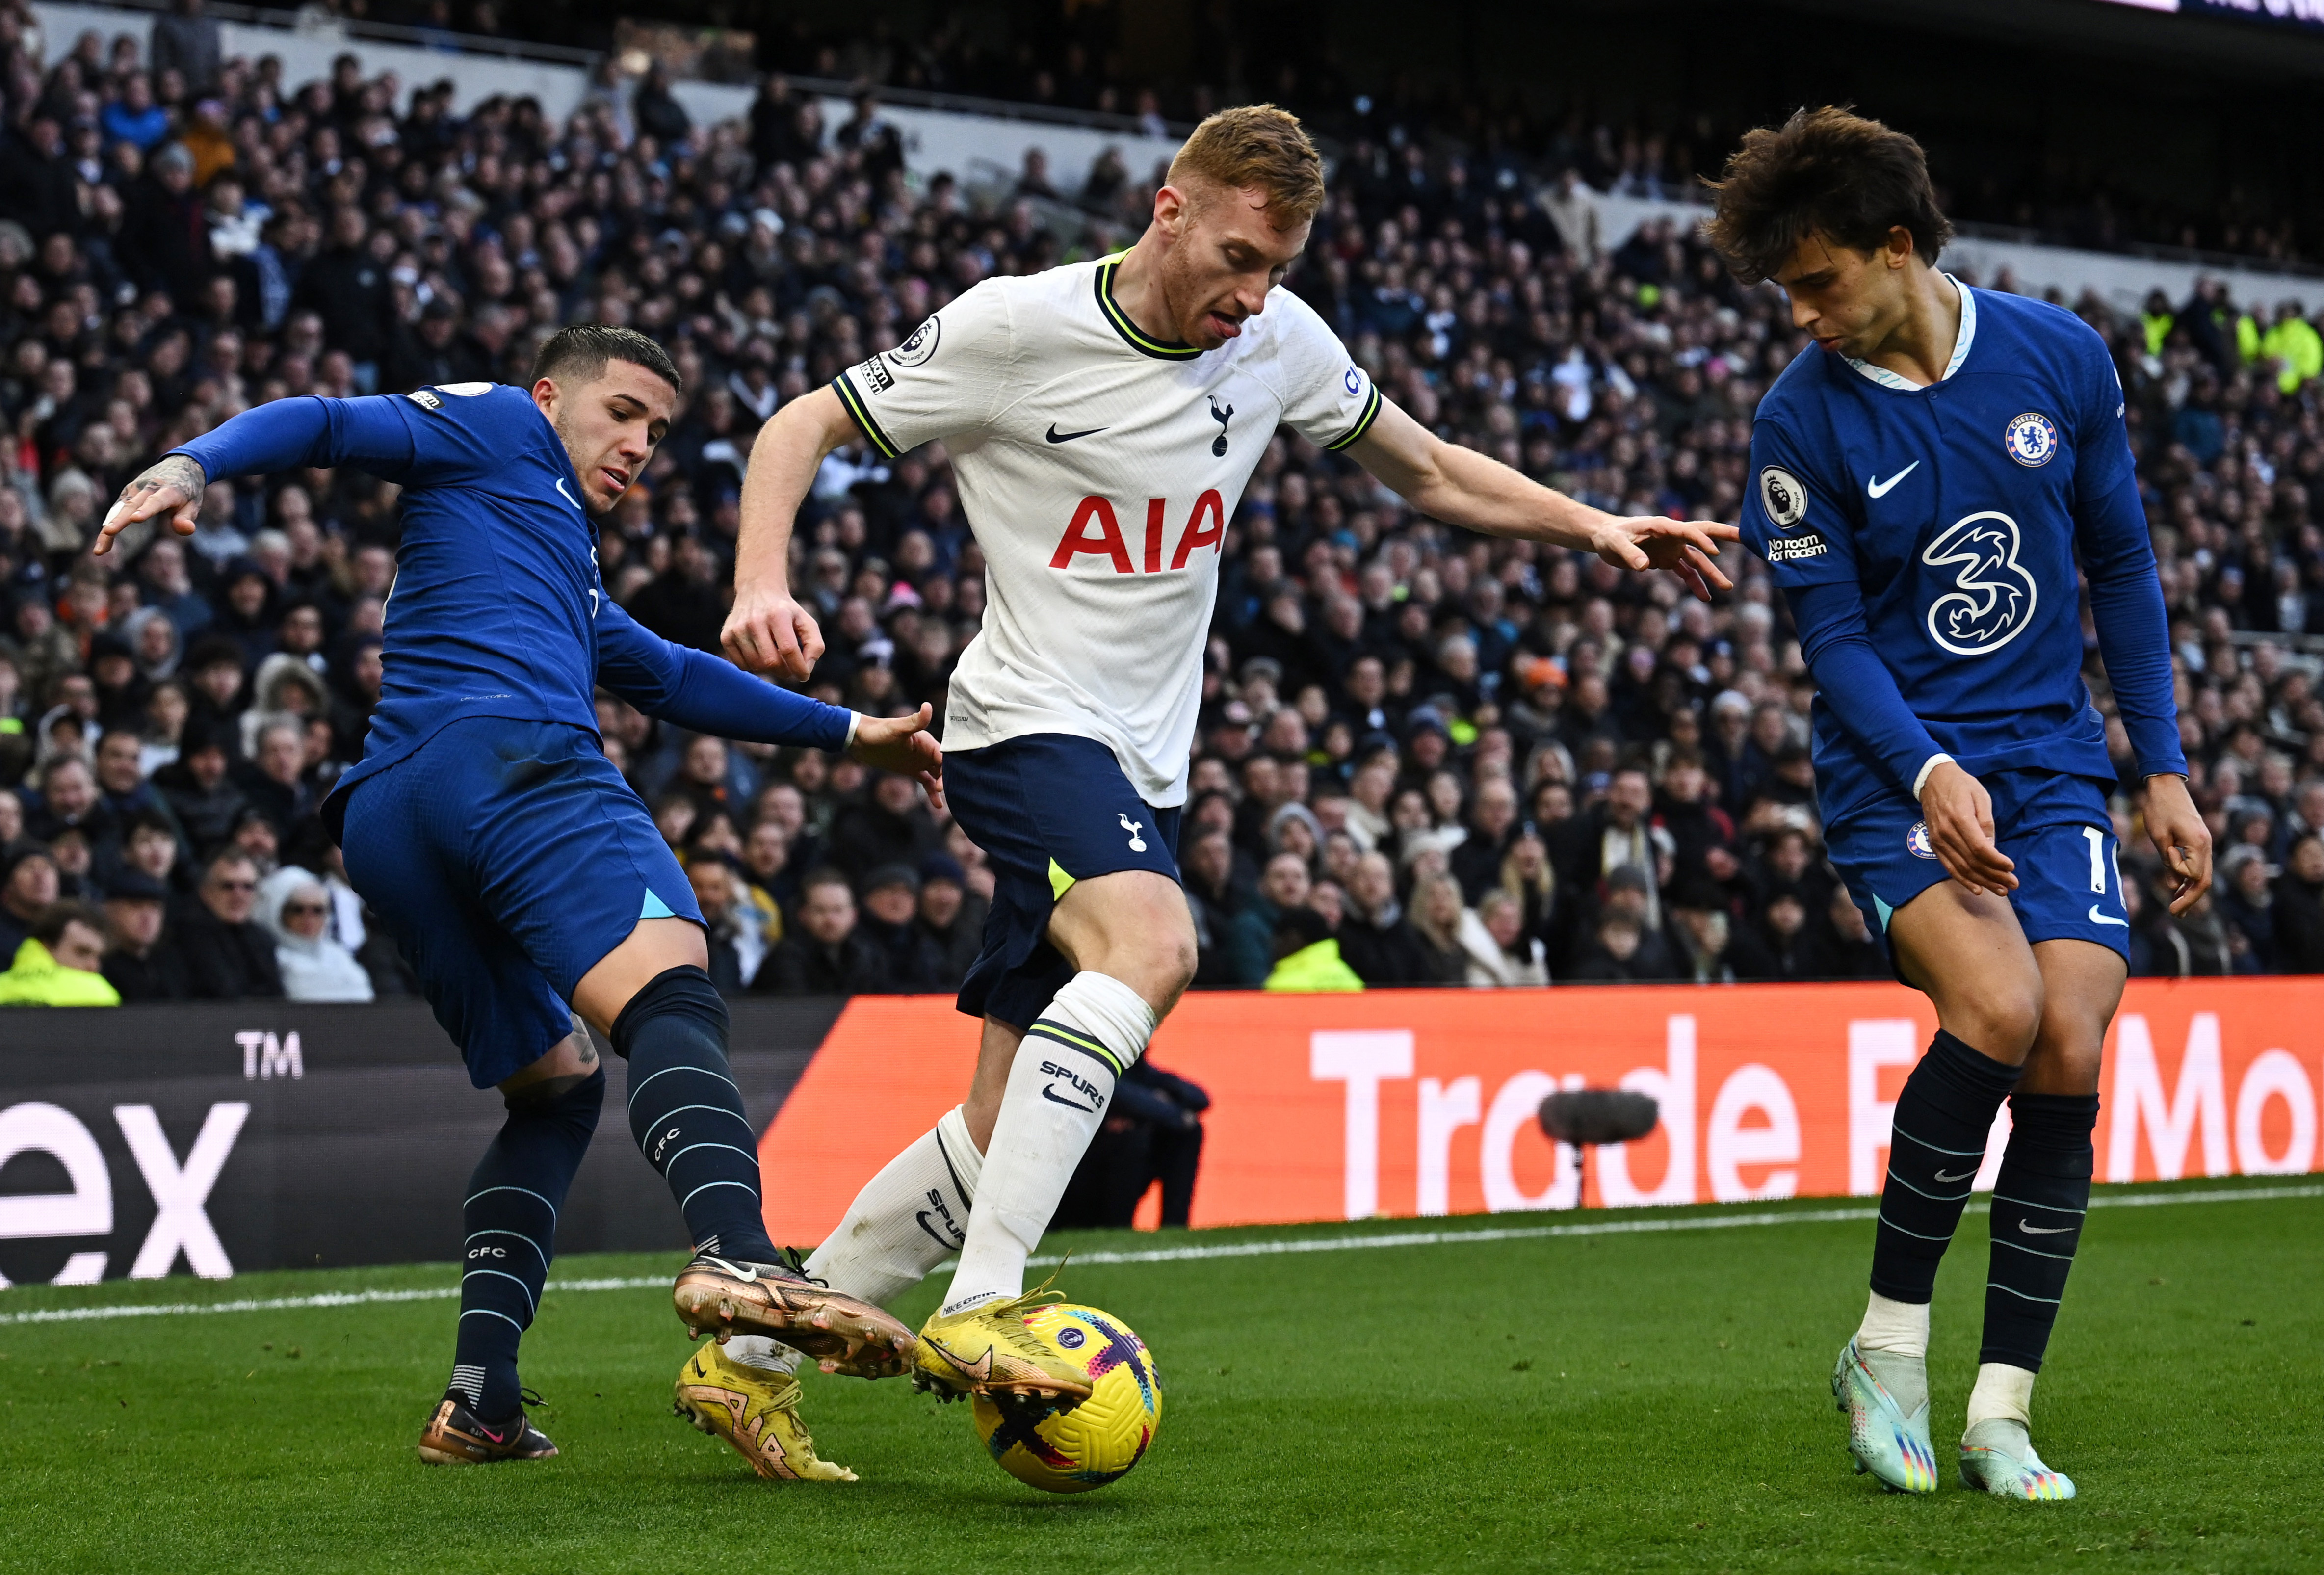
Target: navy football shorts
1048, 809
508, 858
2053, 827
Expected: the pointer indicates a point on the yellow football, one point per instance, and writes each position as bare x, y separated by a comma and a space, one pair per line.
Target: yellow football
1072, 1451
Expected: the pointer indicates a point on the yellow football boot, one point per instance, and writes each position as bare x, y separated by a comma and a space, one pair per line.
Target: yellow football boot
988, 1350
756, 1412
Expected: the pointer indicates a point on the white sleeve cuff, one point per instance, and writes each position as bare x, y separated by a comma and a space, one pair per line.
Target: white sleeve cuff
854, 720
1921, 779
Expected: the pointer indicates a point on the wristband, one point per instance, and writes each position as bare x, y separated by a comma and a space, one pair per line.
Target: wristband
1927, 766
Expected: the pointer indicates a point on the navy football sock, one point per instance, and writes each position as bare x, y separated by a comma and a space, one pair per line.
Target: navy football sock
686, 1114
511, 1218
1942, 1119
2039, 1200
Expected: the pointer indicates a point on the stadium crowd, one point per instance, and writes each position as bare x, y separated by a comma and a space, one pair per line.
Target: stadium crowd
1425, 757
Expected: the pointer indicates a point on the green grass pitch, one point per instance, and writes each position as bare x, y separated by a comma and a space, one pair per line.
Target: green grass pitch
1620, 1401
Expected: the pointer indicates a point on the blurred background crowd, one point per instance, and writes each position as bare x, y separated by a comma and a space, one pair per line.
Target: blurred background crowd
1425, 757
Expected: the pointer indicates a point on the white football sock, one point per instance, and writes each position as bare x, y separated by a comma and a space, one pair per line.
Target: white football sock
766, 1354
1058, 1090
2003, 1393
910, 1218
1899, 1327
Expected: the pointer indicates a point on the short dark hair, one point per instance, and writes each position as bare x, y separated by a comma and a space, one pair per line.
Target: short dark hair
50, 928
223, 855
825, 875
579, 351
1828, 172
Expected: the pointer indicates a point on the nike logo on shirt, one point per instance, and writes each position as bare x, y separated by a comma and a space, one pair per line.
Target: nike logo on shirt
568, 497
1881, 489
2099, 918
1057, 437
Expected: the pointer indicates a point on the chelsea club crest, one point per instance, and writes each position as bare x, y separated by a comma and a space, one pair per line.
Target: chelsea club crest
1916, 840
2032, 438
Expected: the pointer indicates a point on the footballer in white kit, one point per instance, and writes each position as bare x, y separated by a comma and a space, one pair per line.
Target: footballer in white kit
1102, 420
1099, 467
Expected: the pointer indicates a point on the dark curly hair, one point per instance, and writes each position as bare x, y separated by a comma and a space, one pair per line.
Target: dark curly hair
1828, 172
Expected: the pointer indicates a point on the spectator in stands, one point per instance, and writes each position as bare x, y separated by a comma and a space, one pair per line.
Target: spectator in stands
735, 932
825, 955
949, 923
1307, 956
313, 966
1613, 954
58, 964
138, 963
1436, 917
196, 788
891, 825
28, 889
2246, 905
226, 954
1250, 948
1375, 940
189, 42
890, 906
1856, 952
1500, 951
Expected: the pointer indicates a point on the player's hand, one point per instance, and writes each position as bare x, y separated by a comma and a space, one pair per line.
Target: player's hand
1684, 546
2181, 837
1959, 813
904, 745
768, 632
173, 487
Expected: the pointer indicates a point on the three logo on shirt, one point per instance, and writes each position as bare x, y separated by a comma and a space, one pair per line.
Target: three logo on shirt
1993, 597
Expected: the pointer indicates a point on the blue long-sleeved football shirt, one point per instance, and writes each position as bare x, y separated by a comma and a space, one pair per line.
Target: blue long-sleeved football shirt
1926, 540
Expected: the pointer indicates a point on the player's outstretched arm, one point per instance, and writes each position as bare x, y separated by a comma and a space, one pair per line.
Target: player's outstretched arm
767, 630
285, 435
1463, 487
702, 692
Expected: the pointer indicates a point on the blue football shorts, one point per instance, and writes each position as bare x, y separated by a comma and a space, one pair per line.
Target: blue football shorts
2052, 825
508, 858
1048, 809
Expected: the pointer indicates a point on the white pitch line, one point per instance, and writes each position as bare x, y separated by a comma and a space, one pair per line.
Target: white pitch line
279, 1304
1170, 1253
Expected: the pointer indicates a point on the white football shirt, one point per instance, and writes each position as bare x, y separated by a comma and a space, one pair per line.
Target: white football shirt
1097, 468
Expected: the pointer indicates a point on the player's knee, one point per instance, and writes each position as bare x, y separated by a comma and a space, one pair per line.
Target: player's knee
2002, 1017
572, 1100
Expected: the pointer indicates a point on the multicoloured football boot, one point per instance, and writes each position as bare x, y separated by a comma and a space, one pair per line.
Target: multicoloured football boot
457, 1436
754, 1411
1885, 1399
1998, 1456
988, 1350
722, 1297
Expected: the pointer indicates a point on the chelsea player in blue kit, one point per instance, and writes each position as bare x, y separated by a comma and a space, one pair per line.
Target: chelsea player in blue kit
521, 876
1922, 486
